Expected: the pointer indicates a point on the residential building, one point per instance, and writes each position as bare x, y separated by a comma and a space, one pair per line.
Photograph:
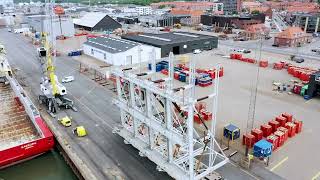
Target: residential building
263, 9
255, 31
231, 6
95, 21
144, 10
185, 5
176, 42
292, 37
118, 52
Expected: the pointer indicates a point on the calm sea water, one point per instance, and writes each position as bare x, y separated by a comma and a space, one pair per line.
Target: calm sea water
49, 166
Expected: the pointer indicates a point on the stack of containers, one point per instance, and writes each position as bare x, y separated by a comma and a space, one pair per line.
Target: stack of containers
281, 137
288, 116
298, 126
303, 73
281, 120
266, 130
263, 63
274, 140
278, 66
285, 131
274, 124
248, 140
258, 134
291, 129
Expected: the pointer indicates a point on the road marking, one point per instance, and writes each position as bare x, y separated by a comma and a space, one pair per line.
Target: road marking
316, 176
279, 164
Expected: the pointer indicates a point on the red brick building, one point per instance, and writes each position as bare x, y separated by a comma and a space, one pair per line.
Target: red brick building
255, 31
292, 37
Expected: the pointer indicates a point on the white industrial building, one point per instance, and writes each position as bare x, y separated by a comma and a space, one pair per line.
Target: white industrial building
63, 26
144, 10
119, 51
6, 3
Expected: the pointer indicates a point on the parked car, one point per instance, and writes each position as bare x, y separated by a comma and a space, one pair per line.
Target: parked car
315, 50
197, 51
297, 59
242, 50
67, 79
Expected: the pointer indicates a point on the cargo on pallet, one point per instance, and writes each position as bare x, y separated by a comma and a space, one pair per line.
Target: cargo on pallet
298, 126
248, 140
274, 124
165, 71
206, 115
200, 106
281, 120
231, 132
291, 129
288, 116
258, 134
274, 140
297, 88
285, 131
263, 63
196, 118
262, 149
266, 129
278, 66
281, 137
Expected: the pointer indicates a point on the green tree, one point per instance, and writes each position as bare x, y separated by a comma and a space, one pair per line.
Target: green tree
163, 6
255, 12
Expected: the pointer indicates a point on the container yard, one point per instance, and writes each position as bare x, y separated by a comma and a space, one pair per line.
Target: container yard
152, 104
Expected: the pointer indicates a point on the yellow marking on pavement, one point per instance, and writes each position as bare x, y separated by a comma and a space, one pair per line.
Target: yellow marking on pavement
316, 176
279, 164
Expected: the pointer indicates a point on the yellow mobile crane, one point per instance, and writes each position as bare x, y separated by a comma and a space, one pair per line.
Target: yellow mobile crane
52, 92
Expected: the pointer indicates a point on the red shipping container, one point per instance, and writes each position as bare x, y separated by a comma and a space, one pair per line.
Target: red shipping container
274, 124
263, 63
281, 120
176, 75
238, 56
277, 66
197, 119
221, 72
212, 74
305, 76
288, 116
274, 140
200, 106
248, 140
207, 115
258, 134
266, 130
281, 137
285, 131
297, 89
164, 71
249, 60
232, 56
298, 126
291, 128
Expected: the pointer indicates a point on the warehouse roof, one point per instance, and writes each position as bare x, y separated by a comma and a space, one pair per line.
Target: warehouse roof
90, 19
167, 38
111, 45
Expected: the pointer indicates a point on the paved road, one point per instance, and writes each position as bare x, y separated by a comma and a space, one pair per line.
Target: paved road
304, 51
101, 150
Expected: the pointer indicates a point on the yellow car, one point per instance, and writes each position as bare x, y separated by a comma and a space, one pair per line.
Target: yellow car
80, 131
65, 121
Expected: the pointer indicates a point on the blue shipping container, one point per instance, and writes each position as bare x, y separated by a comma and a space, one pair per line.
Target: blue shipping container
182, 77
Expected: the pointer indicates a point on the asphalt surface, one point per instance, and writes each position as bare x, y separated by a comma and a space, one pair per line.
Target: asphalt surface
103, 152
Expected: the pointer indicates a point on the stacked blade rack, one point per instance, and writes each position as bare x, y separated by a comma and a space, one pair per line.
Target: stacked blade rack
157, 119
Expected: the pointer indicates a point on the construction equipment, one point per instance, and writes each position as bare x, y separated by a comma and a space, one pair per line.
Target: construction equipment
65, 121
52, 92
58, 10
80, 131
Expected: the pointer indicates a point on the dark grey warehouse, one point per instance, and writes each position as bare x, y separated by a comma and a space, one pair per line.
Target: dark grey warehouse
176, 42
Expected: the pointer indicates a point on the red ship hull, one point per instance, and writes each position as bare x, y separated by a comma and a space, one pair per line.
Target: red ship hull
28, 150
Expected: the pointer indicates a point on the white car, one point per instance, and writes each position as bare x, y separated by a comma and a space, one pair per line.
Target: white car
196, 51
67, 79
